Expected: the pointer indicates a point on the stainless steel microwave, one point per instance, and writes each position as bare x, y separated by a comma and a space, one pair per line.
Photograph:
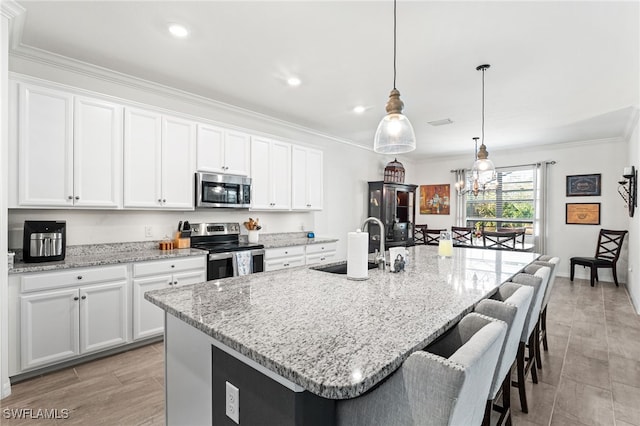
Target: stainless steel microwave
218, 190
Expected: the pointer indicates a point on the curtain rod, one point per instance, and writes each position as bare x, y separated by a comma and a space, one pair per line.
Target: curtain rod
508, 167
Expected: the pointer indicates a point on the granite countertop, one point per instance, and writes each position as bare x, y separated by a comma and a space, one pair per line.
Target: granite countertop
104, 254
335, 337
301, 241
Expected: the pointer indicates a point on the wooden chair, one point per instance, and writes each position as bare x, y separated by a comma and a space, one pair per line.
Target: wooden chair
462, 236
520, 232
499, 240
607, 254
432, 236
419, 234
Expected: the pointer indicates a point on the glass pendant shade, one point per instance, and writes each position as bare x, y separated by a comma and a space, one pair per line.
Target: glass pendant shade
394, 135
483, 171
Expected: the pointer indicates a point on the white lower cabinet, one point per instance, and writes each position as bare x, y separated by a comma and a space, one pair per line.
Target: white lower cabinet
283, 257
321, 253
56, 324
148, 319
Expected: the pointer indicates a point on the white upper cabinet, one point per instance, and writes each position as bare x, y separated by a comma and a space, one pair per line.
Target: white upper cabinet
70, 150
306, 179
223, 151
97, 153
270, 175
178, 163
159, 160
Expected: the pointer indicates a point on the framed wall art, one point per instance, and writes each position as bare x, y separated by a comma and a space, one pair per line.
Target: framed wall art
434, 199
583, 185
583, 214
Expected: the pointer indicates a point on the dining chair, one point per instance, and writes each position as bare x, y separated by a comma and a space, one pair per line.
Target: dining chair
499, 240
607, 254
526, 365
520, 233
551, 262
462, 236
419, 235
432, 236
447, 384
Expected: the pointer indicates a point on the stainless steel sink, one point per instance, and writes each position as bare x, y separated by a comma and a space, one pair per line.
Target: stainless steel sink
341, 268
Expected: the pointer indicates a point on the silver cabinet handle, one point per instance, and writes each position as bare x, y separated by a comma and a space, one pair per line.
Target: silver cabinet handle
286, 264
70, 197
173, 266
79, 277
164, 201
175, 283
83, 297
159, 200
77, 197
170, 282
76, 298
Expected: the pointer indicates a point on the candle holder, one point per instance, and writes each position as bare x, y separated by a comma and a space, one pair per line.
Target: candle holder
628, 188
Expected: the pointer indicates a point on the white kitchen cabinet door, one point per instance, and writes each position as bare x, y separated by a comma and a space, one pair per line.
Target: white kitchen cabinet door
260, 179
97, 153
178, 163
148, 319
306, 179
315, 179
49, 327
45, 147
270, 175
190, 277
237, 147
103, 316
280, 173
142, 159
210, 149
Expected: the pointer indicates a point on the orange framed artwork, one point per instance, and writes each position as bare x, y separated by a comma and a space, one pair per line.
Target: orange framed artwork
434, 199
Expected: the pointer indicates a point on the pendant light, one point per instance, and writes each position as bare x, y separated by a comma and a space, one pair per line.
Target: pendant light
483, 170
395, 134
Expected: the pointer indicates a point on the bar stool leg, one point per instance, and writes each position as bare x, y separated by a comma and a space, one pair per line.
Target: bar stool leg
537, 348
521, 378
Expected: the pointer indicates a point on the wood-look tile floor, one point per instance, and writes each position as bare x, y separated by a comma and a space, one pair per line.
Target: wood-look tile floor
590, 375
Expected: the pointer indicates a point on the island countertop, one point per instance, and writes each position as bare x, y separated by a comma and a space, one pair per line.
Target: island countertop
335, 337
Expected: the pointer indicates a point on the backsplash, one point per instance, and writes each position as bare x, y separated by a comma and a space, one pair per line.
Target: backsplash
100, 226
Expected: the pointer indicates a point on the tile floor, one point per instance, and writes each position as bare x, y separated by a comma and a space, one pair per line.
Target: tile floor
590, 375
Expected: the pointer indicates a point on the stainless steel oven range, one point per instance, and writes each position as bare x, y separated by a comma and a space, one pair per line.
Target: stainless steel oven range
228, 256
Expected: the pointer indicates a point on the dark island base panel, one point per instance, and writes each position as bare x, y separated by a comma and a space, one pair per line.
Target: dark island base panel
263, 401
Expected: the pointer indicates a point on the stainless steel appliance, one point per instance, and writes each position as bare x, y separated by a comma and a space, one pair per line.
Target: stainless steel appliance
223, 243
44, 240
218, 190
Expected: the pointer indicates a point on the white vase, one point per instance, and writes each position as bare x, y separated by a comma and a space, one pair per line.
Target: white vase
253, 236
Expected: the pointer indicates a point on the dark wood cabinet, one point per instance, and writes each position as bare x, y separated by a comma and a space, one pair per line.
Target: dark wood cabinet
394, 204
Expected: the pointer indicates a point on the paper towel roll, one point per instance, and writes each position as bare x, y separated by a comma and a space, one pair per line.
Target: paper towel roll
357, 255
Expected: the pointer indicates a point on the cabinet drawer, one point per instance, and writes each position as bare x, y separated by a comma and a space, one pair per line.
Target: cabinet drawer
79, 276
315, 258
320, 248
168, 266
274, 265
275, 253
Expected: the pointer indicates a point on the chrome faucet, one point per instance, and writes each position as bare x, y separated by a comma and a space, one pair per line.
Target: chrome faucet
379, 256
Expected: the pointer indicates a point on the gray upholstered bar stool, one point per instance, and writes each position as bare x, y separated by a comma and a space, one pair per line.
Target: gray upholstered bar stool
447, 384
524, 365
511, 305
552, 262
541, 330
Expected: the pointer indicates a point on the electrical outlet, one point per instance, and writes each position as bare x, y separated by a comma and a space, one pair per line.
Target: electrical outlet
148, 231
232, 403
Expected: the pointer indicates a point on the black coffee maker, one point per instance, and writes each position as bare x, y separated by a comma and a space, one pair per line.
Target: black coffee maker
44, 240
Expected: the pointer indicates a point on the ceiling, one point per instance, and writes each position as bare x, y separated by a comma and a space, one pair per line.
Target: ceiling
561, 71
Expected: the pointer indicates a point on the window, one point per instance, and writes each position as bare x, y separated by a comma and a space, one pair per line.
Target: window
510, 202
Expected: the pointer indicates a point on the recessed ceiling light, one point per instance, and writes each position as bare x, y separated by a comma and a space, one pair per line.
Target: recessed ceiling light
178, 30
359, 109
293, 81
441, 122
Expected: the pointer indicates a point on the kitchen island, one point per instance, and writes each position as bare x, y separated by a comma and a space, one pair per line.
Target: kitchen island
317, 335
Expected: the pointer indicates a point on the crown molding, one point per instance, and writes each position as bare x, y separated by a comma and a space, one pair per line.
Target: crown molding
65, 63
631, 124
10, 9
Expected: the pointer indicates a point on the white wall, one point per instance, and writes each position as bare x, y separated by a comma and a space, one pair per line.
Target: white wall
633, 282
605, 157
347, 169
